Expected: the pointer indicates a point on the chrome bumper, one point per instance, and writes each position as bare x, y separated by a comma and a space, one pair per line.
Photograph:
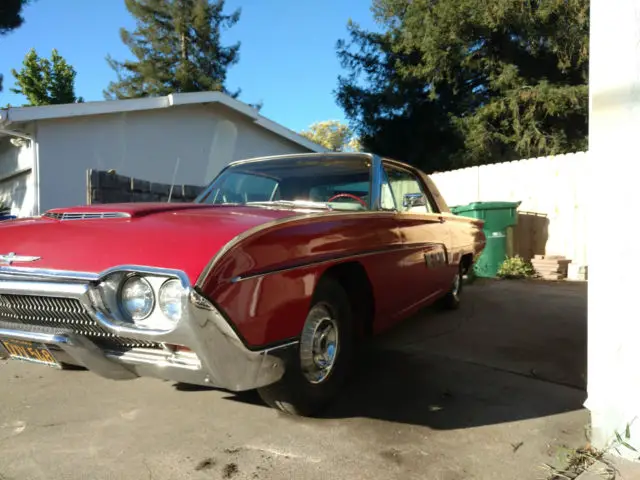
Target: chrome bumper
217, 358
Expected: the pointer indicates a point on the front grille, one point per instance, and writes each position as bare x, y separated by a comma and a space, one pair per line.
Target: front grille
62, 315
85, 215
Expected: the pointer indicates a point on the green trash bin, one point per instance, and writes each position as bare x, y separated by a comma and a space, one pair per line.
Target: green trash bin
500, 218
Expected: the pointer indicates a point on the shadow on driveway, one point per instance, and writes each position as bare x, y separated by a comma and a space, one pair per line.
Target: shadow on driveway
515, 350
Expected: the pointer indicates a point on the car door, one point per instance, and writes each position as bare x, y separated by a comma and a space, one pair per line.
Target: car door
425, 236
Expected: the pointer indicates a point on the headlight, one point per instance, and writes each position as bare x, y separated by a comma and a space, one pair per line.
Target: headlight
137, 298
170, 299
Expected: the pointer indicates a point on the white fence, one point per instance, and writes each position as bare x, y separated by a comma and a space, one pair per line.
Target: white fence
553, 192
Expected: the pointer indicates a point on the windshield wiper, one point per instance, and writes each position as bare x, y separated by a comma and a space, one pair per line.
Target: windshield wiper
292, 204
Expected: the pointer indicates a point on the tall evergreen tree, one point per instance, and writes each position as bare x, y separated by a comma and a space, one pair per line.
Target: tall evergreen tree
11, 15
177, 48
44, 81
10, 18
448, 83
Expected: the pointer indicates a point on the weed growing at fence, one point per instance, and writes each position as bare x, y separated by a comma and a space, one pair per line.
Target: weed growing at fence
516, 267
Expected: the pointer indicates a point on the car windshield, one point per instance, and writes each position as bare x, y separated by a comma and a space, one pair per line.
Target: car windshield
336, 183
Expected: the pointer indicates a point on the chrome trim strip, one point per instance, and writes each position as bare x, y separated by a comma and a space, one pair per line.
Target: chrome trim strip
352, 155
45, 273
376, 183
44, 289
159, 358
339, 258
34, 336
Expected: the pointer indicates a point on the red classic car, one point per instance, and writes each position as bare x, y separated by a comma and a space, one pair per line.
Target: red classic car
267, 281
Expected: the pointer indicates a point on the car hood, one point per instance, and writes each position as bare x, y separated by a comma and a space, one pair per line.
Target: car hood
98, 237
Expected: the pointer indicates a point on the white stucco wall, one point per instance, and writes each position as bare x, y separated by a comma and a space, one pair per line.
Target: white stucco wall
614, 321
147, 144
16, 177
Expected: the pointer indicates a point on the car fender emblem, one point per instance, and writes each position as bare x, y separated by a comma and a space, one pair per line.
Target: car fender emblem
9, 258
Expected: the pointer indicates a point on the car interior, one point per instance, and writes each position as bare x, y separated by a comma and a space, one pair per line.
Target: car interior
340, 184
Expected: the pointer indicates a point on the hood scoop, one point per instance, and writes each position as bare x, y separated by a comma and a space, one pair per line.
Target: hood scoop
85, 215
100, 211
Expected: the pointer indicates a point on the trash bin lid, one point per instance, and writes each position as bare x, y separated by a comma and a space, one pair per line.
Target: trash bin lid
498, 205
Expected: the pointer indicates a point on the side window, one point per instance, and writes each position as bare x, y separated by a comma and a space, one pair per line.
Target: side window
408, 192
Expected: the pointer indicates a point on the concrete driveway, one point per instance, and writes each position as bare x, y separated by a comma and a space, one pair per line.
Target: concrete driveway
491, 391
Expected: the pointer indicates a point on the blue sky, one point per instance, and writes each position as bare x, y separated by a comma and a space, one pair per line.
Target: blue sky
287, 58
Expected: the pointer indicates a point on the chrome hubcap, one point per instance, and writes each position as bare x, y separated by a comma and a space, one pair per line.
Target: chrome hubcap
319, 345
456, 285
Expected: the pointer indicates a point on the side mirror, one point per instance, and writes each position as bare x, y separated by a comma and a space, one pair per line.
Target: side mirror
414, 200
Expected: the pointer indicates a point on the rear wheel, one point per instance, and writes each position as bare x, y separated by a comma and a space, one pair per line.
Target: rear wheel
451, 300
315, 375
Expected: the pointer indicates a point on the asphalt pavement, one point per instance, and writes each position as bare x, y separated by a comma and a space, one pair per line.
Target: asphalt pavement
491, 391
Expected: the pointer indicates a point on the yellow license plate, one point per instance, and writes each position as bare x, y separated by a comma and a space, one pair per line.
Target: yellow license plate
29, 351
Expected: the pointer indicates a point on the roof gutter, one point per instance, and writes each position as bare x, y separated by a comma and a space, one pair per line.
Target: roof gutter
14, 133
68, 110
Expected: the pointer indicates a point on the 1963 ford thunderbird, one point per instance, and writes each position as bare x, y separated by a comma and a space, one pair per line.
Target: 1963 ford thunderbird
268, 281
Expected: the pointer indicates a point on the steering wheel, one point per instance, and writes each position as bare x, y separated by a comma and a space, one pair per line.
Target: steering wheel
348, 195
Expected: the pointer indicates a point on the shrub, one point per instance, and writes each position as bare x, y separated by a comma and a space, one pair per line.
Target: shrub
516, 267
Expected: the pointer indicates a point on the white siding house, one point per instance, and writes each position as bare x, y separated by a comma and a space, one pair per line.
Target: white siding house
45, 152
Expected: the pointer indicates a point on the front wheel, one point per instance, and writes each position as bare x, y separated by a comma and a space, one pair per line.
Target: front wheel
315, 375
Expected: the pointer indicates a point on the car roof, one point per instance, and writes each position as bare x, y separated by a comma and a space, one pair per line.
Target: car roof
315, 156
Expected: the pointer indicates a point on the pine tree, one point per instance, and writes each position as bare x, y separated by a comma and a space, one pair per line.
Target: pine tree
177, 48
449, 83
46, 82
11, 15
10, 18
